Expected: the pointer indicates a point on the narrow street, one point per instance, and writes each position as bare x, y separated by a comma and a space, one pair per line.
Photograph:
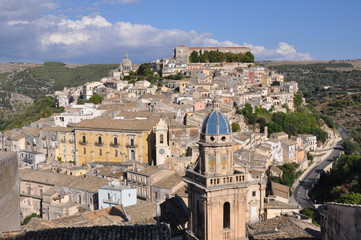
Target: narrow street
307, 181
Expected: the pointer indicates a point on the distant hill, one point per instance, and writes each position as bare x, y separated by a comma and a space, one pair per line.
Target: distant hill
33, 80
319, 80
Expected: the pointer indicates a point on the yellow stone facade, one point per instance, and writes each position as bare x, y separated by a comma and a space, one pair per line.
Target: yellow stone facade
65, 152
111, 146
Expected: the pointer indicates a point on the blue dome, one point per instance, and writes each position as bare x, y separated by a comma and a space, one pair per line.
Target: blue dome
216, 124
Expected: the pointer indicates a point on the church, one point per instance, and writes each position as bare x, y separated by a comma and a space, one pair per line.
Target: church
124, 68
222, 198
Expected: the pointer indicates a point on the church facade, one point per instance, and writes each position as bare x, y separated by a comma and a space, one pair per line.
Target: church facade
124, 68
222, 199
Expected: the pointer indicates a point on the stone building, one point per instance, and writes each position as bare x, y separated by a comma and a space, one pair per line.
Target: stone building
182, 53
222, 199
124, 68
9, 192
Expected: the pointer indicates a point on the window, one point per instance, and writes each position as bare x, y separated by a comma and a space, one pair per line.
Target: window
161, 138
116, 153
115, 141
226, 215
100, 140
132, 155
253, 193
100, 152
84, 151
132, 142
84, 139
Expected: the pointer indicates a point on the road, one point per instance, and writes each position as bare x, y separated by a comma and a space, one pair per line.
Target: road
300, 193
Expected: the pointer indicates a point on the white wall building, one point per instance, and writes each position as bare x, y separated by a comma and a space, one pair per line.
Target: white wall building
76, 114
116, 194
31, 159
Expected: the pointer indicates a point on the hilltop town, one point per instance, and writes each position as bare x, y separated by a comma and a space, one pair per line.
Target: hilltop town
169, 151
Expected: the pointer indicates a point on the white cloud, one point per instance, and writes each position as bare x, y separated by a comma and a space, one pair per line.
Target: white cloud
284, 51
17, 22
96, 21
29, 34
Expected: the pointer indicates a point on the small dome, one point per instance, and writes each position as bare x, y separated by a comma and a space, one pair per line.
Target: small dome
216, 124
126, 61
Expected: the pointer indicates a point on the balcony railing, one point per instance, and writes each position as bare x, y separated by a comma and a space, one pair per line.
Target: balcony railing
83, 143
99, 144
107, 200
114, 145
131, 145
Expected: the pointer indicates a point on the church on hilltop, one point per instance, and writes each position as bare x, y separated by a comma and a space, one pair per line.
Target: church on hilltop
182, 53
124, 68
222, 198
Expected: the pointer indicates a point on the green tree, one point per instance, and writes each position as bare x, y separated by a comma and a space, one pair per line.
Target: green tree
194, 57
249, 57
297, 99
350, 198
96, 99
235, 127
351, 147
144, 70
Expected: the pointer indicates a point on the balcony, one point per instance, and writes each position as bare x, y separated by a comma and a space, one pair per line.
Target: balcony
131, 145
99, 144
111, 201
83, 143
63, 140
114, 145
210, 181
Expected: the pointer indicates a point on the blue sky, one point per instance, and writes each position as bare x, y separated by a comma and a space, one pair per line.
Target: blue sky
101, 31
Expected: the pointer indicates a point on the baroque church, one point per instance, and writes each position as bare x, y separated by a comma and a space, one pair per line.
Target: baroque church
222, 197
124, 68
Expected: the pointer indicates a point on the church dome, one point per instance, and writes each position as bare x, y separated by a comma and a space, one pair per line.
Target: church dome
216, 124
126, 61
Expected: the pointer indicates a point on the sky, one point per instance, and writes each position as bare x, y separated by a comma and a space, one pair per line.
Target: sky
102, 31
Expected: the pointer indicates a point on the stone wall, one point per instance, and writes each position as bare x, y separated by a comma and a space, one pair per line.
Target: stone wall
9, 192
341, 221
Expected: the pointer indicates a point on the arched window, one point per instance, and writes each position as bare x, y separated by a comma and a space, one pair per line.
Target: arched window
161, 138
100, 140
100, 152
116, 153
115, 141
226, 215
132, 155
84, 139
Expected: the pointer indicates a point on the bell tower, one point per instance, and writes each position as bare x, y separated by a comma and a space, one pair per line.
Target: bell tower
217, 192
161, 142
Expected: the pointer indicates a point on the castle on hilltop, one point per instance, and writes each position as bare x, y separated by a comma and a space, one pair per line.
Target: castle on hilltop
182, 53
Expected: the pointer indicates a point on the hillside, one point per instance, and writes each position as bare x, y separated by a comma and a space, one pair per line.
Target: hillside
320, 80
30, 81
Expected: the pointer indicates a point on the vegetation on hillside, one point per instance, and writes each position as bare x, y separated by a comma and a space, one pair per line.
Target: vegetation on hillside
289, 175
303, 121
53, 76
214, 56
42, 107
342, 184
321, 80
